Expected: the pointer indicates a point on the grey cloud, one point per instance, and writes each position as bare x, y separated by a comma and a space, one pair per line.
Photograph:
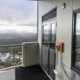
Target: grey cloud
18, 11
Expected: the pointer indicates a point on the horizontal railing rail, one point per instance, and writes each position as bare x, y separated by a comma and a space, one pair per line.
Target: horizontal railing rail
11, 45
15, 45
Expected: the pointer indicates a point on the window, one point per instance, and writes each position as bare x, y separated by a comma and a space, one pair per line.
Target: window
18, 24
49, 34
76, 41
46, 34
53, 34
48, 27
49, 15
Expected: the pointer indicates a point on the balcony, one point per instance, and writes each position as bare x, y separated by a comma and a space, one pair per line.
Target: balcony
28, 66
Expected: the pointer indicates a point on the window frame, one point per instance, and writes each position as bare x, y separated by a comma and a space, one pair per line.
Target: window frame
47, 19
73, 66
49, 23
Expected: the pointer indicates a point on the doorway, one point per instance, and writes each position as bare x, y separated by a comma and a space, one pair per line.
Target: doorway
48, 46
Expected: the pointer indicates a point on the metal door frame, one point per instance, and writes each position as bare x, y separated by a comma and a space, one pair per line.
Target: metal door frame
49, 22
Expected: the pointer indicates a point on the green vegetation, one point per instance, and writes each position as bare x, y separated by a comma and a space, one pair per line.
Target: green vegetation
14, 58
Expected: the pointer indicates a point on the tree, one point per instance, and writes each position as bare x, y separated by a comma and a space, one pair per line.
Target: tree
4, 50
16, 50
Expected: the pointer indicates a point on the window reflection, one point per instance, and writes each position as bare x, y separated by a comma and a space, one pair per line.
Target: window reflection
46, 34
53, 32
77, 49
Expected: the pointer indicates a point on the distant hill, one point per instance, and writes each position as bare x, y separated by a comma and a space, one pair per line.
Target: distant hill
17, 38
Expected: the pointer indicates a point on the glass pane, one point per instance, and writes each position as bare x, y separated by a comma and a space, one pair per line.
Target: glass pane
18, 21
53, 32
46, 34
77, 49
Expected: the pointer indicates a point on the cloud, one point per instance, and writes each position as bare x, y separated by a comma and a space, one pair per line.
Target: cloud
18, 12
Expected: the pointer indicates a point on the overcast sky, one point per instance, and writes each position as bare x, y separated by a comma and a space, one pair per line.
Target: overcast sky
18, 12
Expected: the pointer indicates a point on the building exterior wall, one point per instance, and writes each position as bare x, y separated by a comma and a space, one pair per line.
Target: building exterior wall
64, 28
30, 54
44, 7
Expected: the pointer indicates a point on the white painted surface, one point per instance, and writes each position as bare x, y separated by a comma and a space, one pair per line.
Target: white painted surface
64, 27
30, 54
7, 74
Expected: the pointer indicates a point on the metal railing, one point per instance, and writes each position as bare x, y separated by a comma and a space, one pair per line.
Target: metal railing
11, 50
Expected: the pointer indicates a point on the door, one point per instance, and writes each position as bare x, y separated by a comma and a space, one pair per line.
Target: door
48, 46
45, 46
52, 54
